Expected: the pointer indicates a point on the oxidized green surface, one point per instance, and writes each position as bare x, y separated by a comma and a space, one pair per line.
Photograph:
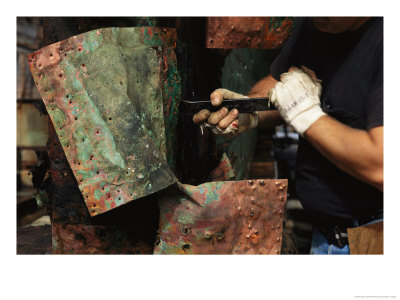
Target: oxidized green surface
225, 217
107, 92
171, 84
242, 69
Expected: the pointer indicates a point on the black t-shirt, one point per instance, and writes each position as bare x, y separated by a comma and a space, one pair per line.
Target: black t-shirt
350, 65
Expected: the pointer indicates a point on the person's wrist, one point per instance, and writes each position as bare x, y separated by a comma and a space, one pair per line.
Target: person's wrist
304, 120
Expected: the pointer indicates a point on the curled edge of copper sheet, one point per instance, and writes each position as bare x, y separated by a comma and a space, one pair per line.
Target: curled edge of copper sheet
228, 217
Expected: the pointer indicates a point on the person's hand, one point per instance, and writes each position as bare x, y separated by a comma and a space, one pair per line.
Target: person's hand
223, 122
296, 97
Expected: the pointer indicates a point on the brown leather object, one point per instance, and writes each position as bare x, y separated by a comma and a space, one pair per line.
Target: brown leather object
366, 239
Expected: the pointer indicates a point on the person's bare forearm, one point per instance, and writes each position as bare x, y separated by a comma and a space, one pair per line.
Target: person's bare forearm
357, 152
269, 118
261, 89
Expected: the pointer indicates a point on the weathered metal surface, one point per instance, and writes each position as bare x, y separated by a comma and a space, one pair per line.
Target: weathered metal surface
224, 170
34, 240
98, 239
366, 239
171, 85
66, 203
107, 92
247, 32
231, 217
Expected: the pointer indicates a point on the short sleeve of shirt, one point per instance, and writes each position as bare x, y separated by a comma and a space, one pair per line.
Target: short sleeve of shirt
374, 113
287, 56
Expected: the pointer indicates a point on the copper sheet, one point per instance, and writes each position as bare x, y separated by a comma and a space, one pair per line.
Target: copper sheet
247, 32
224, 170
107, 92
96, 239
230, 217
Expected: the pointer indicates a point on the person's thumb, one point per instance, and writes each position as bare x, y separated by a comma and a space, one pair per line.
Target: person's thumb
219, 94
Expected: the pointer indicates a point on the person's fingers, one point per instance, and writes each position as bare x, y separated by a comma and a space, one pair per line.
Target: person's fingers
306, 80
217, 116
235, 124
310, 73
230, 117
201, 116
317, 82
220, 94
233, 128
227, 94
273, 95
216, 97
293, 68
285, 77
284, 94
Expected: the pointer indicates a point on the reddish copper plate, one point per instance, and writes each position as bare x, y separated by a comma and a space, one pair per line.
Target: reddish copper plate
227, 217
247, 32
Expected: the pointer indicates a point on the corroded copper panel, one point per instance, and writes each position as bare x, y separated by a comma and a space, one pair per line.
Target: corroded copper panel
112, 96
247, 32
231, 217
96, 239
34, 240
224, 170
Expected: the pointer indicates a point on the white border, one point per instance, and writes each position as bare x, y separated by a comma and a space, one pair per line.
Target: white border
198, 277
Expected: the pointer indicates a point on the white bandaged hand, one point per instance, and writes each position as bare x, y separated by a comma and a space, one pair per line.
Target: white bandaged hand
296, 97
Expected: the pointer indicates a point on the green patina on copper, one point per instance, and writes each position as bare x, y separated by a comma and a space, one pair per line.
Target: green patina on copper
171, 85
282, 23
210, 191
112, 94
279, 29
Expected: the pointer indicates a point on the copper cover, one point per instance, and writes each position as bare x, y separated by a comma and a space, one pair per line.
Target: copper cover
247, 32
112, 95
229, 217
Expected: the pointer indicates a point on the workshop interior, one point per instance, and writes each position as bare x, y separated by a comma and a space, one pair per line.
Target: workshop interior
109, 160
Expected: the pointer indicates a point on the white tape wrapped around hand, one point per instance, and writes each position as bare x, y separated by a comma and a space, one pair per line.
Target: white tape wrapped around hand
296, 97
246, 121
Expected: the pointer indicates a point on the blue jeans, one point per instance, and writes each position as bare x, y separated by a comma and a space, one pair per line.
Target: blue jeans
320, 245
